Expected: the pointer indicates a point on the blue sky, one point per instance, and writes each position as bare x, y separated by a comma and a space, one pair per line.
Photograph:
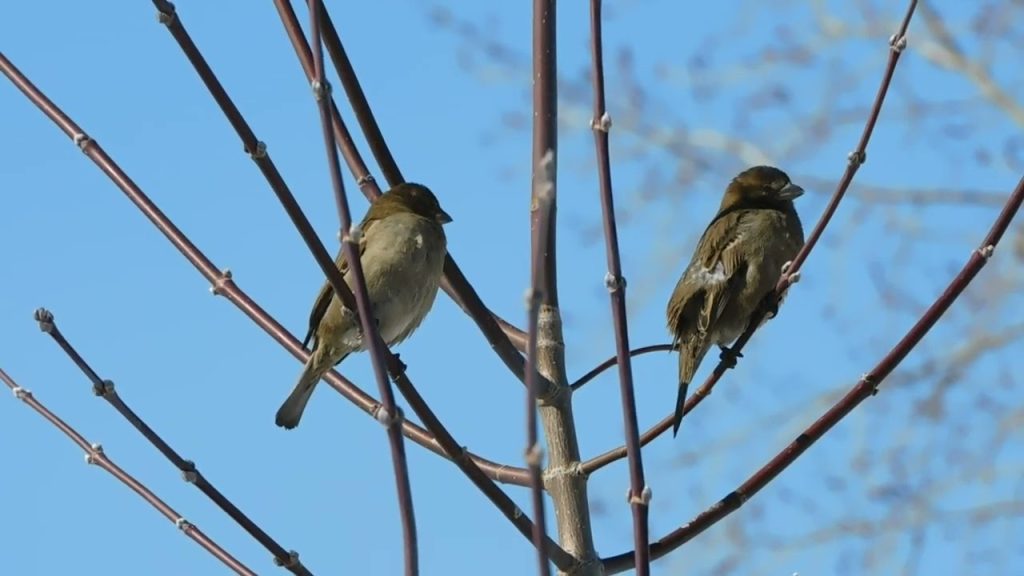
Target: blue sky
209, 381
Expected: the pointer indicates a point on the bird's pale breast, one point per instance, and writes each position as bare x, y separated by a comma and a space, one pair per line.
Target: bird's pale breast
403, 263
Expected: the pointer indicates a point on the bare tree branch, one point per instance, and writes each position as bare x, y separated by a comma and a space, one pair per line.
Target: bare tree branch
392, 417
289, 559
639, 493
94, 454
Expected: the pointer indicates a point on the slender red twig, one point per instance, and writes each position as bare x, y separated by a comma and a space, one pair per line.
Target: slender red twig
639, 493
614, 360
94, 454
354, 91
867, 386
350, 246
897, 43
189, 472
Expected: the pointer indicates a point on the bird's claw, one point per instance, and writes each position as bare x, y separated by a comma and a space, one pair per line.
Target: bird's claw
397, 368
729, 356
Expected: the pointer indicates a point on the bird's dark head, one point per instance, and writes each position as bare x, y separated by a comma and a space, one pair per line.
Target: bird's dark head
761, 185
414, 198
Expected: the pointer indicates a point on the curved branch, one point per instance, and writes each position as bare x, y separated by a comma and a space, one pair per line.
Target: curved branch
597, 370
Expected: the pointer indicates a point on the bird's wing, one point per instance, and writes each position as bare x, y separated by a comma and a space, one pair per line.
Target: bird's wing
323, 299
705, 289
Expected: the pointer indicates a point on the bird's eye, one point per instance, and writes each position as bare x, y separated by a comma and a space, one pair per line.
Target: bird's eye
779, 184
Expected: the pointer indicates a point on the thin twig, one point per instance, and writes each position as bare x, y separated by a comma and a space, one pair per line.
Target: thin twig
94, 454
350, 246
356, 97
639, 493
897, 43
865, 388
614, 360
289, 559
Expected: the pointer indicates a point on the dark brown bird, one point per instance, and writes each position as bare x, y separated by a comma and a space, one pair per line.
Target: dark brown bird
737, 262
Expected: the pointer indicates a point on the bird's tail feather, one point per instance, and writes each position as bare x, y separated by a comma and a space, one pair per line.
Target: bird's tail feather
690, 355
680, 404
290, 412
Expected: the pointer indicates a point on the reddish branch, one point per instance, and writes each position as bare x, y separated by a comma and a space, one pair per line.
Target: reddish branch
391, 418
867, 386
94, 454
189, 472
639, 493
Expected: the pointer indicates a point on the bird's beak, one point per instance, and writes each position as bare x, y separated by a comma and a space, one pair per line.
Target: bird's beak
791, 191
442, 217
